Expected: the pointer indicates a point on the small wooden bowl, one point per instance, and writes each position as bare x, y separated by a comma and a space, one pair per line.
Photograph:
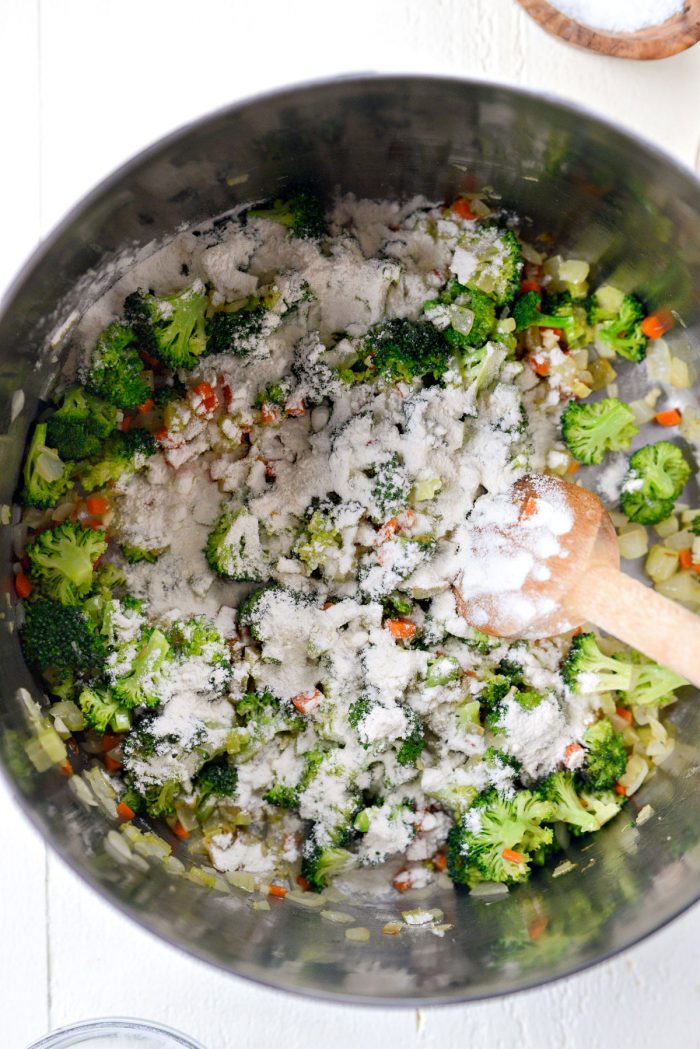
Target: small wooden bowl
659, 41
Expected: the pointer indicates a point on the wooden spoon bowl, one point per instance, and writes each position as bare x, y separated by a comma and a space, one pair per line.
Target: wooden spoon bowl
668, 38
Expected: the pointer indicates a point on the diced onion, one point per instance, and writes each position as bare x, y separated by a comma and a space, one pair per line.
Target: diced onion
489, 888
661, 563
633, 542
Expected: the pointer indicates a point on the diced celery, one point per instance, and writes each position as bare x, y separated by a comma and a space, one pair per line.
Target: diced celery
425, 490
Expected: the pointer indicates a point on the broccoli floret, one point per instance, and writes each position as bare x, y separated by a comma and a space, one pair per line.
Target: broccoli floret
302, 213
62, 640
137, 554
508, 832
396, 604
358, 710
586, 669
273, 394
651, 682
562, 304
441, 670
404, 350
591, 430
217, 779
528, 700
494, 260
61, 561
233, 548
137, 688
390, 490
122, 453
320, 535
250, 609
159, 799
116, 370
412, 745
623, 333
603, 805
46, 477
102, 710
81, 424
235, 330
170, 327
656, 476
606, 757
496, 689
513, 671
282, 797
467, 316
320, 864
198, 636
559, 790
527, 313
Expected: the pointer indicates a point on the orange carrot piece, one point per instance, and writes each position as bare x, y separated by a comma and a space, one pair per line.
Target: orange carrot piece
463, 208
402, 882
111, 764
278, 891
573, 467
146, 407
573, 748
126, 423
180, 832
269, 413
162, 434
619, 789
109, 741
23, 585
671, 417
624, 714
401, 628
97, 504
67, 768
512, 856
305, 700
530, 285
124, 812
528, 509
657, 324
440, 861
303, 883
537, 927
685, 558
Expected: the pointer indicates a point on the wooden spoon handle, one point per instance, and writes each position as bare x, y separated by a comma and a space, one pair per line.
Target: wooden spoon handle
641, 617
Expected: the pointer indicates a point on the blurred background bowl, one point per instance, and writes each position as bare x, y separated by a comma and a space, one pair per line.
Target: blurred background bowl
601, 195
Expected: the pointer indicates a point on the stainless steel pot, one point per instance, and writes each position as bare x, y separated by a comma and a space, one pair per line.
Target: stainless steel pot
602, 195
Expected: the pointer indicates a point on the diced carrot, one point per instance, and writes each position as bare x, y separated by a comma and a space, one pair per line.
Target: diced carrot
225, 390
109, 741
528, 509
685, 558
180, 832
23, 585
303, 883
152, 362
463, 208
269, 413
278, 891
97, 504
573, 467
67, 768
93, 522
406, 518
577, 631
671, 417
559, 332
573, 748
401, 628
530, 285
624, 714
657, 324
537, 927
295, 410
126, 423
512, 856
204, 399
112, 764
146, 407
387, 530
162, 434
402, 882
440, 861
124, 812
540, 368
306, 700
619, 789
328, 604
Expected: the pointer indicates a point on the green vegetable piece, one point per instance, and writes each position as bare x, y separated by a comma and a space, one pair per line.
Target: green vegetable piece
559, 789
302, 213
320, 864
170, 327
78, 428
116, 371
591, 430
404, 350
46, 477
623, 333
442, 670
656, 476
61, 639
101, 709
122, 453
496, 261
61, 561
138, 687
233, 548
606, 757
586, 669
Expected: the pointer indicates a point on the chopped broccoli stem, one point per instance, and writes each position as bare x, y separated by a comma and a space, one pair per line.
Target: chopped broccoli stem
656, 476
559, 789
137, 554
116, 372
46, 476
319, 865
527, 312
101, 709
61, 561
591, 430
651, 683
586, 669
302, 213
606, 756
78, 428
171, 327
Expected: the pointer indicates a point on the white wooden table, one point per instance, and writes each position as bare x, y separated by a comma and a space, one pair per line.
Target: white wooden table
83, 85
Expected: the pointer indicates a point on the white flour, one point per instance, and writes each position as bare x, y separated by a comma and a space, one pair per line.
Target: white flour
621, 16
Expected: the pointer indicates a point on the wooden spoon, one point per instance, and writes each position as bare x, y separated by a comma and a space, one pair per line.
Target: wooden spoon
668, 38
584, 584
